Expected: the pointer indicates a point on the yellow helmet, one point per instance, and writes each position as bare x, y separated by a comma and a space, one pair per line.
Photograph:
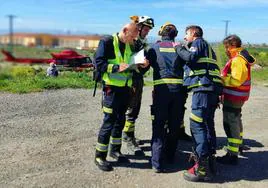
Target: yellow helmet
167, 28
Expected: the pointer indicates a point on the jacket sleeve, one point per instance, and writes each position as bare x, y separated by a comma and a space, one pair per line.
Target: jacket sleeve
186, 55
151, 57
239, 73
102, 60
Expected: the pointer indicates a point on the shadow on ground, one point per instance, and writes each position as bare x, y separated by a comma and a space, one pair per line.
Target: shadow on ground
251, 167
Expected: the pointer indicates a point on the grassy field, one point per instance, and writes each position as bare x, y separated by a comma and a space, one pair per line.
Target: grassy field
25, 78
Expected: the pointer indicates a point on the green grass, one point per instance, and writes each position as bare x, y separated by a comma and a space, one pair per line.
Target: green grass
25, 79
260, 76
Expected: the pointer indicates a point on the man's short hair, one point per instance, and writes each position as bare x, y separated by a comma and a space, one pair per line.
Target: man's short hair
197, 30
232, 40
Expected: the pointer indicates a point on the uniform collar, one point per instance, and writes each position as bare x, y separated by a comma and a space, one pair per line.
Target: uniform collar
235, 51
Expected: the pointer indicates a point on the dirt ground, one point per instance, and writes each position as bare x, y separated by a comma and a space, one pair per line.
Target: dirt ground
47, 139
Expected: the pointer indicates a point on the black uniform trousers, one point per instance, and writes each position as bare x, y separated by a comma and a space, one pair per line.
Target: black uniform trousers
167, 109
115, 102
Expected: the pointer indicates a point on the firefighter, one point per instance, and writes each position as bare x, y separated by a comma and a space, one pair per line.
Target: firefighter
202, 76
112, 58
145, 24
237, 81
168, 102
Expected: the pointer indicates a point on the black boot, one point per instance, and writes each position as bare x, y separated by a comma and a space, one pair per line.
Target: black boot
212, 164
100, 161
103, 164
228, 159
243, 148
199, 172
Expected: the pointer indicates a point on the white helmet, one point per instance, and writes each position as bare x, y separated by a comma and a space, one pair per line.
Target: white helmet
146, 20
143, 20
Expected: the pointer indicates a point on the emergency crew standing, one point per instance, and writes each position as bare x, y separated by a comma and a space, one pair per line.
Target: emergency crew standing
237, 81
168, 106
202, 76
112, 58
145, 24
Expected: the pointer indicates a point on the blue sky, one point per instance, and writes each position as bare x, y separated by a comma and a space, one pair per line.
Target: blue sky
249, 18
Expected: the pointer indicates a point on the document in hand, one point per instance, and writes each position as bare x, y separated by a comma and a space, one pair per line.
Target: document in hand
137, 58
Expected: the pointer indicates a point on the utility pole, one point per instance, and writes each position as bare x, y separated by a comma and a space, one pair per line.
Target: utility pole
226, 26
11, 17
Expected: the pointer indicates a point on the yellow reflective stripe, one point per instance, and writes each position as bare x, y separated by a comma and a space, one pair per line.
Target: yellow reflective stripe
110, 68
206, 60
214, 73
233, 149
168, 81
234, 140
115, 141
196, 118
217, 80
129, 127
107, 110
102, 147
241, 134
195, 85
198, 72
169, 50
203, 173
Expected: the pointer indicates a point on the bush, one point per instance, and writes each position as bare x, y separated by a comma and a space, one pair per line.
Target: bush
22, 71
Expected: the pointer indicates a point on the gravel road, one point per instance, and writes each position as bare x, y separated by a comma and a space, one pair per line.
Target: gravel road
47, 139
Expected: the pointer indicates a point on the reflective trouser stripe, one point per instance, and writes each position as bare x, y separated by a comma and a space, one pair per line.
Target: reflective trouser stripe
196, 118
102, 147
241, 135
129, 126
234, 140
107, 110
115, 141
202, 172
233, 149
233, 145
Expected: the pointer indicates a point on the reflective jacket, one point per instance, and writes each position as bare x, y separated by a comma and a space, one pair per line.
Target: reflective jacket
201, 72
119, 79
237, 77
167, 65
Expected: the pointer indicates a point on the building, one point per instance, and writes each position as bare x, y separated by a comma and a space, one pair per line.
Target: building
50, 40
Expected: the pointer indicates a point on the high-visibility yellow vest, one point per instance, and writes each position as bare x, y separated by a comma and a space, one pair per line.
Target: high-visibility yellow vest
119, 79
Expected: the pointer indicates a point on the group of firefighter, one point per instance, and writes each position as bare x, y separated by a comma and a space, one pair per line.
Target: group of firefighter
177, 70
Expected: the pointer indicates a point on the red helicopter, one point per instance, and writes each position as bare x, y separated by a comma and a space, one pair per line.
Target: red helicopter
66, 58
